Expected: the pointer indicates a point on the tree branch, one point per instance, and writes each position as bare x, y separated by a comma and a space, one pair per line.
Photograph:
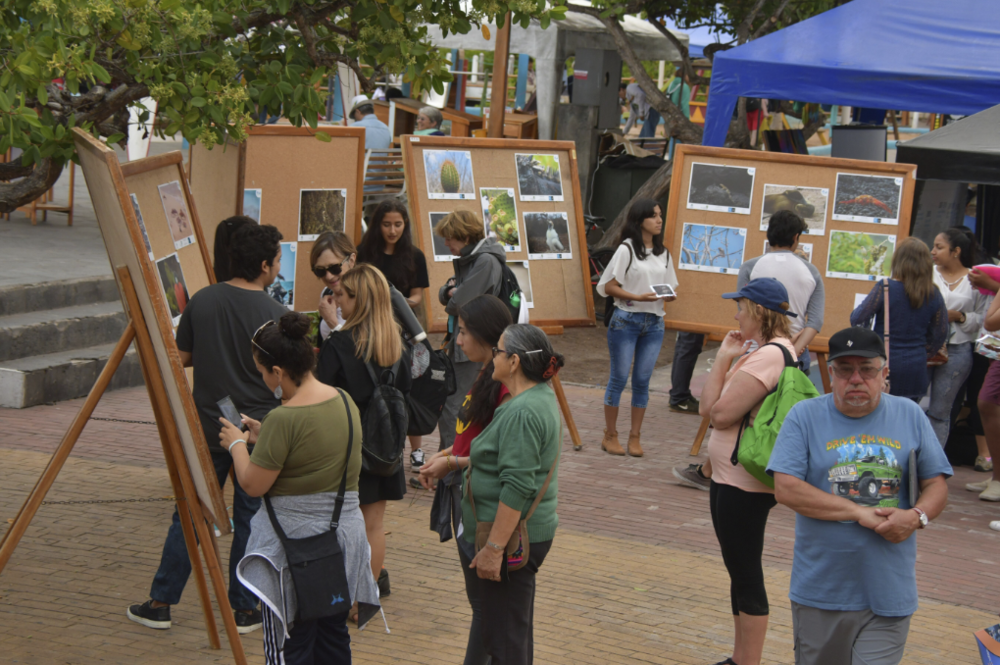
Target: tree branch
676, 125
743, 29
769, 24
37, 182
688, 73
326, 58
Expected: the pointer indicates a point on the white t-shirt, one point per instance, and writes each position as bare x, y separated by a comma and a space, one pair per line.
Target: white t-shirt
968, 300
638, 278
795, 276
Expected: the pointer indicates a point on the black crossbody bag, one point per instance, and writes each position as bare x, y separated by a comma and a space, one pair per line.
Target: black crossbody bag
319, 573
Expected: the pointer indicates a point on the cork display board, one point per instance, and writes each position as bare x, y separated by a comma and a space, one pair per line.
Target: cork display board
216, 180
528, 195
303, 186
717, 215
175, 242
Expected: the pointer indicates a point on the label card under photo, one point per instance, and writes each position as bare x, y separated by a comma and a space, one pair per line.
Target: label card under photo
719, 188
709, 248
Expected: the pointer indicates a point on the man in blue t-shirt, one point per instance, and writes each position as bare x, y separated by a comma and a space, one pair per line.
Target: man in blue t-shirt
843, 463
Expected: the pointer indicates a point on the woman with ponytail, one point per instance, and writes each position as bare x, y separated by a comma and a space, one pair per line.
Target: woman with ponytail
512, 476
304, 455
481, 322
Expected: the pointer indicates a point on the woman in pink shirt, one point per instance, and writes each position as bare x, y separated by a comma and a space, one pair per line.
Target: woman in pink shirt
739, 502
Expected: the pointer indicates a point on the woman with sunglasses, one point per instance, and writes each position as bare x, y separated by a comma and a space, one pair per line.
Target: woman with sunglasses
388, 246
369, 336
512, 477
303, 452
481, 323
332, 255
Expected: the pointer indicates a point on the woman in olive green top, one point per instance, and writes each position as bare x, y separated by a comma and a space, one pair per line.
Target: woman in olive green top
299, 461
509, 463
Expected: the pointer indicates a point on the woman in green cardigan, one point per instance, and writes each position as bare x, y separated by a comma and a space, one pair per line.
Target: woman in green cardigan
510, 464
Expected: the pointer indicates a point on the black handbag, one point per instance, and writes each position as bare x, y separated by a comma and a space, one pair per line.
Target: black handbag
319, 573
433, 375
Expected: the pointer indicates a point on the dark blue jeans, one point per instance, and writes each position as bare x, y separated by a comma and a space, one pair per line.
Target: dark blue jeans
634, 342
175, 566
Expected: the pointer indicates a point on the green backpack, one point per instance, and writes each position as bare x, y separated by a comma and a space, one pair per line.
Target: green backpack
754, 444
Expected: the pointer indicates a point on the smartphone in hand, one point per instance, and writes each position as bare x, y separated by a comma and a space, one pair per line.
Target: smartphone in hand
663, 290
230, 412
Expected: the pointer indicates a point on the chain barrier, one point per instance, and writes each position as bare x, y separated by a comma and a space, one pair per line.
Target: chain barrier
119, 420
65, 503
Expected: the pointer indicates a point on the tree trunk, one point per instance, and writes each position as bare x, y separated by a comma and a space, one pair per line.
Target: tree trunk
25, 190
655, 188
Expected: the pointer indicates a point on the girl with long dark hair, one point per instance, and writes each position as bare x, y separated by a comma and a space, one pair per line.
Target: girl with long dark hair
481, 322
635, 331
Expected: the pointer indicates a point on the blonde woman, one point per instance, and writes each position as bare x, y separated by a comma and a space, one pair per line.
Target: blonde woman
370, 335
740, 503
918, 318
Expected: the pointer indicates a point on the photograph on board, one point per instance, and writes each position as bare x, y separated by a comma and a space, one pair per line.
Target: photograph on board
522, 271
809, 203
805, 250
867, 198
500, 217
539, 177
548, 235
142, 225
251, 204
176, 210
720, 188
441, 251
710, 248
174, 287
449, 174
282, 288
321, 210
858, 255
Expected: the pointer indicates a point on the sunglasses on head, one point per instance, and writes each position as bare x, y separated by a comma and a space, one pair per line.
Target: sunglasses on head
334, 270
253, 340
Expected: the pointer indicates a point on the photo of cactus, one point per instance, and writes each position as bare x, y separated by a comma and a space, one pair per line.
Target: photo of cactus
809, 203
539, 177
174, 287
321, 210
500, 217
864, 256
449, 174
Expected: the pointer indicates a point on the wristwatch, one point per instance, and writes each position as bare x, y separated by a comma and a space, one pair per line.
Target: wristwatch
923, 518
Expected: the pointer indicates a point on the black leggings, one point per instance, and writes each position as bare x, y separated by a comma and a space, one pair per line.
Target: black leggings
739, 518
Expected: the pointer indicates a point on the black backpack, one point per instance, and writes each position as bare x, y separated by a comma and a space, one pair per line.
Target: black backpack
383, 425
433, 384
509, 291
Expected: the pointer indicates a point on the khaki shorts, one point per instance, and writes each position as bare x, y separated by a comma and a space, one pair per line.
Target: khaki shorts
829, 637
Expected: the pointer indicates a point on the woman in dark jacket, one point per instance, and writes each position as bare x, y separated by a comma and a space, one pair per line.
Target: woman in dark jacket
918, 318
370, 335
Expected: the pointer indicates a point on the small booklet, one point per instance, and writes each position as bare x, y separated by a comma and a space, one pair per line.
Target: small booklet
663, 290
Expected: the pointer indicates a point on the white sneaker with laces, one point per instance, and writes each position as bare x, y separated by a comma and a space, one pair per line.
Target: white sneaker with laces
416, 460
992, 493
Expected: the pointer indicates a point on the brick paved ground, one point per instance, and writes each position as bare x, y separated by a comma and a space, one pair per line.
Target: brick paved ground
634, 577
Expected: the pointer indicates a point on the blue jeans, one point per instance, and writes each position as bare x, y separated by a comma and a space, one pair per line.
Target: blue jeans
946, 381
634, 341
648, 130
175, 566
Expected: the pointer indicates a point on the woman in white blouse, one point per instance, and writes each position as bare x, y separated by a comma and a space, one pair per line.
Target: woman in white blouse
954, 251
635, 331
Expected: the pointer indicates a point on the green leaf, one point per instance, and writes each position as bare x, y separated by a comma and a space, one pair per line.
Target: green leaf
27, 69
286, 88
323, 136
100, 73
198, 102
42, 94
114, 139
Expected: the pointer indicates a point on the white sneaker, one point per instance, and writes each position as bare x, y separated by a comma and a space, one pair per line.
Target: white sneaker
978, 487
995, 525
416, 460
992, 493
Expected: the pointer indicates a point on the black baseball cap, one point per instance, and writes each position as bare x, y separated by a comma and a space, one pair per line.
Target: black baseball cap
856, 341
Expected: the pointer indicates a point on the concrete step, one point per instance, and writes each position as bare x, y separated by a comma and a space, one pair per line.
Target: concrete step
53, 295
64, 329
64, 375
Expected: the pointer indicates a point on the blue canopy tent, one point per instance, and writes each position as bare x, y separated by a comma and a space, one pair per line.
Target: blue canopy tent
917, 55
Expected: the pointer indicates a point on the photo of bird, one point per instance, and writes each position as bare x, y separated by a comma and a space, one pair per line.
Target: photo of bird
552, 239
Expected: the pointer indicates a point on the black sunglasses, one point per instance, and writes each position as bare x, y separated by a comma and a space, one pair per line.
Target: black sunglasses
253, 340
334, 269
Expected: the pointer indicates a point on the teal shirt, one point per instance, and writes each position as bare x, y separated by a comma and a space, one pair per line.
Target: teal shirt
510, 460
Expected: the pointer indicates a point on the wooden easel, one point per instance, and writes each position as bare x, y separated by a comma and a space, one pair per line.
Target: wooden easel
192, 520
824, 374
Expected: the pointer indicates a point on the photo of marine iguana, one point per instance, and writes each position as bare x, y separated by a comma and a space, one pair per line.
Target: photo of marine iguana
720, 188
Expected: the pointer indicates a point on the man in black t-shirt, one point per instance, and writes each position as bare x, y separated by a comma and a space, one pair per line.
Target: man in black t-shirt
214, 338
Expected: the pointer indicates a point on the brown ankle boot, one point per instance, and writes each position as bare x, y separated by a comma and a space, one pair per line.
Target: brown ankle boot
634, 449
610, 443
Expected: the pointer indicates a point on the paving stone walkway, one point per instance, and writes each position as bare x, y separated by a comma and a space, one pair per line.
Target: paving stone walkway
634, 576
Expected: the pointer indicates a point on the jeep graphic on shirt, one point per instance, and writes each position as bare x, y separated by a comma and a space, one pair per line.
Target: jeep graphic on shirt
867, 473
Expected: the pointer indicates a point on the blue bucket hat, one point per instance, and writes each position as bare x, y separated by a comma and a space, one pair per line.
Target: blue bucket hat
766, 292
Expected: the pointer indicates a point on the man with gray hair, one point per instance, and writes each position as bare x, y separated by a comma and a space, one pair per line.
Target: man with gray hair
850, 463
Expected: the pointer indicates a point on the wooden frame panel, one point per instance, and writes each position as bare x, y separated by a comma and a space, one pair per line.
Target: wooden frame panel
562, 292
699, 307
125, 246
216, 181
